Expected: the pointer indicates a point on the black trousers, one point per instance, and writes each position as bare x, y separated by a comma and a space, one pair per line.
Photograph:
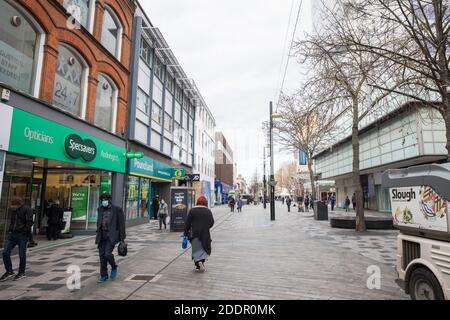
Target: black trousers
105, 251
53, 231
20, 240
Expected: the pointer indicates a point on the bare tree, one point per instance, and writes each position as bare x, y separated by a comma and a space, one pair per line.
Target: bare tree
353, 76
414, 35
307, 124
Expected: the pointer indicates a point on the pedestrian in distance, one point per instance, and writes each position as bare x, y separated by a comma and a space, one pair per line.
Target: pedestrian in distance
332, 201
199, 222
354, 201
163, 213
110, 231
19, 233
307, 203
231, 204
347, 204
55, 219
240, 204
288, 203
300, 204
155, 207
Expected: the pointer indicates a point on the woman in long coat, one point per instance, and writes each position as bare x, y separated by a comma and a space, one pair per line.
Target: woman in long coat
198, 224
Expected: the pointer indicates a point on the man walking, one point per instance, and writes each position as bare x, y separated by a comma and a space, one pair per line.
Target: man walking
289, 202
55, 218
332, 201
110, 231
19, 233
155, 207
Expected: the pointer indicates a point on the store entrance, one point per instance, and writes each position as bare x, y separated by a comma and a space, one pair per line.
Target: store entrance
17, 182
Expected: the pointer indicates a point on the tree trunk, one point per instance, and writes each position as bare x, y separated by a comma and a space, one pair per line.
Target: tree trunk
446, 115
360, 221
311, 176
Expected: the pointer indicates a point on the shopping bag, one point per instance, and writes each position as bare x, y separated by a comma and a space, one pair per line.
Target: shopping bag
184, 243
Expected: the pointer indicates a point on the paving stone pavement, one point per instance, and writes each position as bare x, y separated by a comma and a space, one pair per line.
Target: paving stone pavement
294, 257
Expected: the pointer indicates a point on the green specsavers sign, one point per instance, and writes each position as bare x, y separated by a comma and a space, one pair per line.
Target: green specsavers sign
35, 136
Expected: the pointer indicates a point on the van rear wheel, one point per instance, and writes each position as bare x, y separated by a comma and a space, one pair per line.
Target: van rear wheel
423, 285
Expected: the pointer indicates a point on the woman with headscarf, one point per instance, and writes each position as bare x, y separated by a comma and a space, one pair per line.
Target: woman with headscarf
198, 224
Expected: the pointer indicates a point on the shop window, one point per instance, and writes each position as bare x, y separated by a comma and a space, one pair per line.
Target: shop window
21, 44
132, 198
70, 81
112, 33
106, 104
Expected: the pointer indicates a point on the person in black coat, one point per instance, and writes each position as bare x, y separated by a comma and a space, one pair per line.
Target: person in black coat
110, 231
198, 224
55, 218
19, 233
155, 207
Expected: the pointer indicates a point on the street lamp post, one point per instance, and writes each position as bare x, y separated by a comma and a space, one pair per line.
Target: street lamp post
264, 180
272, 174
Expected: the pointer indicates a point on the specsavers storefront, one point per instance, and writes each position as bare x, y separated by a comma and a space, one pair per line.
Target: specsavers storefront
43, 161
147, 178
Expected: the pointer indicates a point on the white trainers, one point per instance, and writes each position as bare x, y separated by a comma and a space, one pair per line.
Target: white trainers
202, 267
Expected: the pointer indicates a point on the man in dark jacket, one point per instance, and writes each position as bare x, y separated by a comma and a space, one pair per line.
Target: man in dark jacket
19, 232
155, 207
110, 231
55, 218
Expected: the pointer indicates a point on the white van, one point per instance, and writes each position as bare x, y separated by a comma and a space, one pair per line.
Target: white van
420, 207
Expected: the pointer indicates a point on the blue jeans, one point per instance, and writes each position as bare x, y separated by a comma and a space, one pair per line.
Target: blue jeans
16, 239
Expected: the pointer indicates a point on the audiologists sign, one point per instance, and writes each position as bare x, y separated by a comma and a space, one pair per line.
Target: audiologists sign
35, 136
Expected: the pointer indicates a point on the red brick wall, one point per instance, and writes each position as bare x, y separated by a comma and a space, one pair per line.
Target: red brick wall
52, 17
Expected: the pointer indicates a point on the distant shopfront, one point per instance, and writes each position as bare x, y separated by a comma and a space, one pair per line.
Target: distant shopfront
147, 178
44, 161
222, 191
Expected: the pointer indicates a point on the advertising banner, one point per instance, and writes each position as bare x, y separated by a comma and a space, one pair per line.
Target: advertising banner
32, 135
179, 205
419, 207
79, 202
67, 218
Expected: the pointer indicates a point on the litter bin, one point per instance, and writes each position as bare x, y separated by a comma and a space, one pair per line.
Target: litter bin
320, 211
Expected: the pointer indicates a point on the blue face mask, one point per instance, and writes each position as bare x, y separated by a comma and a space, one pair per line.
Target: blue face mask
105, 203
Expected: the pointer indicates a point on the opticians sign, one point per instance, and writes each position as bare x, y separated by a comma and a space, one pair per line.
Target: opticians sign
35, 136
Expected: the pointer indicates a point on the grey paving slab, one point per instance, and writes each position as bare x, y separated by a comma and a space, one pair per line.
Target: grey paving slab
253, 258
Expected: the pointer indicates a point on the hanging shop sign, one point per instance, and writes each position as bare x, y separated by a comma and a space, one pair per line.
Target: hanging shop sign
32, 135
150, 168
179, 173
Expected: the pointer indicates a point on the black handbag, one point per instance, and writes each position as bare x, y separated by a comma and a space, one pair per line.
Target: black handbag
122, 249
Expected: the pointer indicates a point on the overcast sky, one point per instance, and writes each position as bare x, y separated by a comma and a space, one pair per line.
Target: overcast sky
233, 50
